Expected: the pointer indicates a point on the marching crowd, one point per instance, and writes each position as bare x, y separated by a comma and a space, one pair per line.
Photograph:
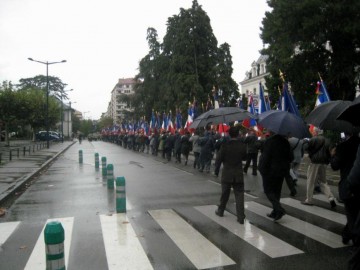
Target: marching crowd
280, 158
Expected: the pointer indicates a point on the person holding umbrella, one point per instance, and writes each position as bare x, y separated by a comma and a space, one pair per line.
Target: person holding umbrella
274, 166
231, 155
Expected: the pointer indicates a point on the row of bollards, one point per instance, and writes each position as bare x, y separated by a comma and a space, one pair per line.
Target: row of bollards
107, 171
54, 234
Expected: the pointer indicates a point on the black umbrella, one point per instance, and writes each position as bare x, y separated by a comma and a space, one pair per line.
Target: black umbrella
325, 115
284, 123
351, 114
221, 116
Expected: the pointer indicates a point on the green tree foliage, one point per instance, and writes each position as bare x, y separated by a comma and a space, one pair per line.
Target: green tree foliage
105, 122
9, 107
184, 67
311, 37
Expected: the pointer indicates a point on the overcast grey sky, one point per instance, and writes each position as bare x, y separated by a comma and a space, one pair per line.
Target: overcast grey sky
103, 41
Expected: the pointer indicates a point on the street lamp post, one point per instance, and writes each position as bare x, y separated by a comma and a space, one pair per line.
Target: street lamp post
47, 63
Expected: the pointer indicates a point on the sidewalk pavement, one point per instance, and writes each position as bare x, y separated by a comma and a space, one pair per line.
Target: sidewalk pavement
16, 173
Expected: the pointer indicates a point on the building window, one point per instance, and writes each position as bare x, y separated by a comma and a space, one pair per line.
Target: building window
254, 91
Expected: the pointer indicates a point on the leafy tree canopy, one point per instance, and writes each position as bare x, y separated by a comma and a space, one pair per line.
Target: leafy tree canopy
186, 66
311, 37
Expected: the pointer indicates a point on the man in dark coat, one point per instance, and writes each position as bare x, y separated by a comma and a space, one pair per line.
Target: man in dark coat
231, 154
274, 165
342, 158
353, 181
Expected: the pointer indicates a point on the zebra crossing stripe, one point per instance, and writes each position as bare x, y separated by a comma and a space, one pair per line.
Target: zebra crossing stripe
263, 241
200, 251
314, 232
322, 197
37, 259
122, 245
315, 210
6, 230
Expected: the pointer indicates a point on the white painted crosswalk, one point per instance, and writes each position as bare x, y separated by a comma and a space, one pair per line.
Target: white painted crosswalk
201, 252
37, 259
122, 244
124, 249
256, 237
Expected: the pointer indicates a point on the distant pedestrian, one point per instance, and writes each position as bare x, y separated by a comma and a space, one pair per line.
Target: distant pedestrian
194, 139
207, 150
252, 152
231, 155
186, 146
274, 165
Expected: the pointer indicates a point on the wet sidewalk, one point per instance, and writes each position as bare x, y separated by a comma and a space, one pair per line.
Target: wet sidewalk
15, 173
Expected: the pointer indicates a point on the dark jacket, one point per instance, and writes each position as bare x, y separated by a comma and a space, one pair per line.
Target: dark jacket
231, 154
319, 150
276, 157
252, 144
186, 145
343, 160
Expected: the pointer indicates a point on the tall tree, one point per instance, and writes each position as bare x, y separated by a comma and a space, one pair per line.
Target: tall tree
311, 37
184, 67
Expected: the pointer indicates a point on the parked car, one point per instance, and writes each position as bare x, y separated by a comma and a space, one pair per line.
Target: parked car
41, 136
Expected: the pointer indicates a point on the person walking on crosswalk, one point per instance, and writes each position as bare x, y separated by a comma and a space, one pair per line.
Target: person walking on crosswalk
231, 155
319, 154
274, 166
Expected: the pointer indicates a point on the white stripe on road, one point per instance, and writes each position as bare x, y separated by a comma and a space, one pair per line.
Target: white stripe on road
322, 197
37, 259
263, 241
200, 251
122, 245
315, 210
6, 230
314, 232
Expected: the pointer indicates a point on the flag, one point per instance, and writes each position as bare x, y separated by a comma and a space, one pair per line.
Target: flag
262, 102
288, 101
216, 98
190, 118
170, 124
178, 122
164, 123
153, 120
322, 94
250, 122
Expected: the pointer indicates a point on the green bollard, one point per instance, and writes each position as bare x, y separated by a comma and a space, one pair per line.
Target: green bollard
110, 176
80, 156
120, 195
54, 245
103, 166
96, 160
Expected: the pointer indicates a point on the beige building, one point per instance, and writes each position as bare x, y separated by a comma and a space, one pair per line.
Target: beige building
116, 108
257, 74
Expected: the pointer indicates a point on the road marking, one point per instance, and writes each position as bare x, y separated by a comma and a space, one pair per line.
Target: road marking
122, 245
314, 232
315, 210
6, 230
37, 259
263, 241
322, 197
200, 251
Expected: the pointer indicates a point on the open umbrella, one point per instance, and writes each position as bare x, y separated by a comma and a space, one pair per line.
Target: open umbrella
351, 114
284, 123
324, 116
221, 116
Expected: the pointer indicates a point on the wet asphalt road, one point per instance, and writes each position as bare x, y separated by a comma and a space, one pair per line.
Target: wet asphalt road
70, 189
